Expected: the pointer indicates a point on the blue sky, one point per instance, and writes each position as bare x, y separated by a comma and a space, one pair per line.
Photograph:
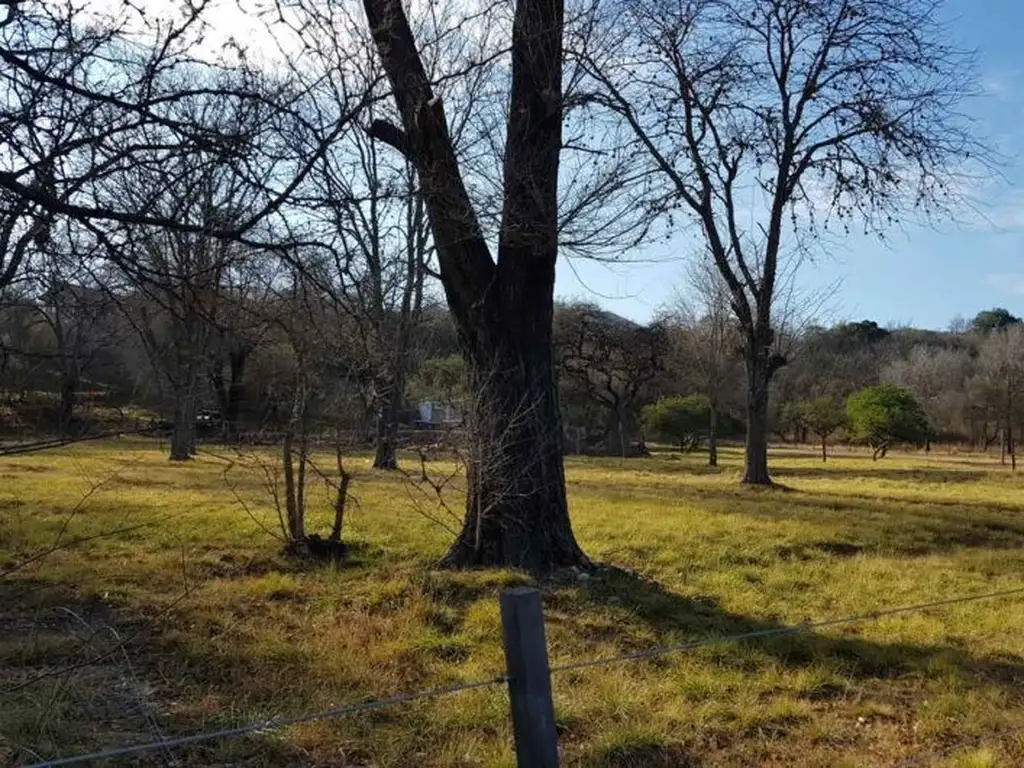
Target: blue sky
921, 276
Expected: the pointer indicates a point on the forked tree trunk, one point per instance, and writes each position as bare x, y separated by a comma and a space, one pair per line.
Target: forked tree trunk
516, 511
340, 497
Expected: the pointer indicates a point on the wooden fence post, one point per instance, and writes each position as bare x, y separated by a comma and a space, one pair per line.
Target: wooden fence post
529, 685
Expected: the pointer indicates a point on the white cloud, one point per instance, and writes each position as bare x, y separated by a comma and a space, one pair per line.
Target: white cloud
998, 211
1002, 84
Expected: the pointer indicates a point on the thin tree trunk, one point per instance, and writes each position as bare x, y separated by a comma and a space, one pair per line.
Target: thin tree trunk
230, 393
341, 498
386, 453
296, 529
824, 450
713, 438
68, 400
1010, 447
183, 428
758, 375
622, 434
235, 393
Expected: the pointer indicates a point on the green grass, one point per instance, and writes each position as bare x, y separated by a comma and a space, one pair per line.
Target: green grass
214, 628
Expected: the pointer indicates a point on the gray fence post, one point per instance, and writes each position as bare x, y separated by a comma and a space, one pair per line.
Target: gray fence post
529, 685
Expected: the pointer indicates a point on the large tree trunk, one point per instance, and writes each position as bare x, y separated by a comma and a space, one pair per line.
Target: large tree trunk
621, 434
516, 509
758, 364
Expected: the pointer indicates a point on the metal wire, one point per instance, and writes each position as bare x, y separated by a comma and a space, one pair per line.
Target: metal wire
778, 631
282, 722
269, 725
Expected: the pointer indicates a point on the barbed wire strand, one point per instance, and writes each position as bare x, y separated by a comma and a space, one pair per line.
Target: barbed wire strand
283, 722
779, 631
270, 725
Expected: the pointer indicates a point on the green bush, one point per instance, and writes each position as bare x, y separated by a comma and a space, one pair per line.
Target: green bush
885, 415
682, 420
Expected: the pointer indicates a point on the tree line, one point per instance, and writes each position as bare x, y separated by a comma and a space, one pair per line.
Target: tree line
70, 350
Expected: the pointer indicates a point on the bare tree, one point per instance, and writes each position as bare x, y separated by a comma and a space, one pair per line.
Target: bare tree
502, 306
937, 378
762, 115
179, 280
1000, 382
610, 361
705, 338
124, 90
238, 330
377, 270
79, 318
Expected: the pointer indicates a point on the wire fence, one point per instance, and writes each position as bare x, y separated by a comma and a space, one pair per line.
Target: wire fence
405, 698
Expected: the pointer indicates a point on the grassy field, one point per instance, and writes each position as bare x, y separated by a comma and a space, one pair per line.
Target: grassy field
180, 616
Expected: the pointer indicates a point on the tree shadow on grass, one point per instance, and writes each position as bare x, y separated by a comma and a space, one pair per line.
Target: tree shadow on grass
675, 619
850, 524
836, 470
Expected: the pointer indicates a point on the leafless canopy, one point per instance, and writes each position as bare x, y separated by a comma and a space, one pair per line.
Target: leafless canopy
769, 120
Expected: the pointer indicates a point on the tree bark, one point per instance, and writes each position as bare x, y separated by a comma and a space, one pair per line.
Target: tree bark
713, 438
516, 510
341, 497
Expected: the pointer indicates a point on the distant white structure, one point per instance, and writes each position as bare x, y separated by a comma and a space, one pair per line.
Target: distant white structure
437, 413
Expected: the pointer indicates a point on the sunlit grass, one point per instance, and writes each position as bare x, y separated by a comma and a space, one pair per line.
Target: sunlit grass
218, 629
